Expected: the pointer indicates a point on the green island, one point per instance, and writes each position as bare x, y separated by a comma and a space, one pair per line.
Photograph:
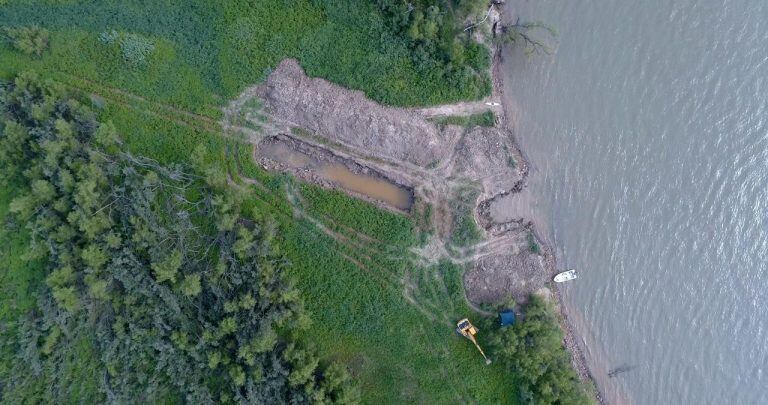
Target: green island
146, 255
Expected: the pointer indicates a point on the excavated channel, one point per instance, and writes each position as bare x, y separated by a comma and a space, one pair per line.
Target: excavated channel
321, 166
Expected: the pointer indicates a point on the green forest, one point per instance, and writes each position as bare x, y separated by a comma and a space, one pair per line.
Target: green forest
144, 256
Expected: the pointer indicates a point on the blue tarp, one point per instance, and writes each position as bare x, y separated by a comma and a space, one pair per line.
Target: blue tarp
507, 318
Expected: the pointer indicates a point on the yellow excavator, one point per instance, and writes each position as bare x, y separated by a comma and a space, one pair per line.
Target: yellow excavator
466, 329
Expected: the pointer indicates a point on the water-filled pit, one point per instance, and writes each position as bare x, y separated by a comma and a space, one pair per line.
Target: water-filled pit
332, 169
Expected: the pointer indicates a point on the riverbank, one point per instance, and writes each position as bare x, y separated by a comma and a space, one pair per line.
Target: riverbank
505, 120
444, 165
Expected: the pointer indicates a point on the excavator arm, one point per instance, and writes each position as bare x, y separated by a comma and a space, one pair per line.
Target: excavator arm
466, 329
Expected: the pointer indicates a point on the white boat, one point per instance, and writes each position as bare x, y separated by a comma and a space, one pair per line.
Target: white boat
566, 276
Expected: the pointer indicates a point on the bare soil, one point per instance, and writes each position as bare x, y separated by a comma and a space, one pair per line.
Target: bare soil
498, 277
464, 108
400, 145
349, 117
334, 124
489, 156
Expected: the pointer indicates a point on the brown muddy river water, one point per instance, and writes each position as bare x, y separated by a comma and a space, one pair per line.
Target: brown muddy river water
372, 186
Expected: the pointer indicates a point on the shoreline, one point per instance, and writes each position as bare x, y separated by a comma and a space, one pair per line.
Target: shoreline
578, 359
483, 157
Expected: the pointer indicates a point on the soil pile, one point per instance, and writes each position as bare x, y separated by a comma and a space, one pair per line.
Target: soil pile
488, 155
496, 277
349, 118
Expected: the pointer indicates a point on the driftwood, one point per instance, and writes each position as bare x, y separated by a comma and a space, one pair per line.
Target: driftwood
621, 369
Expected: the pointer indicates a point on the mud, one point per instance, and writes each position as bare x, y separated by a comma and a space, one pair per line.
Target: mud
321, 166
331, 125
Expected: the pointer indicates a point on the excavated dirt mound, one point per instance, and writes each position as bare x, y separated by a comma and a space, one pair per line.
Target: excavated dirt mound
488, 155
494, 278
349, 118
366, 138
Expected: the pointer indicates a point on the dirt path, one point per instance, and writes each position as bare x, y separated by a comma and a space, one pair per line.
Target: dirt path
436, 182
463, 108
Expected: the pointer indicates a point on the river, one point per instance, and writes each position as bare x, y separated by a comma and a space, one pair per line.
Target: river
647, 133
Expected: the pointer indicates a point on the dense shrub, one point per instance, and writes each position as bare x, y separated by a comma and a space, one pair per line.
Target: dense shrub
433, 31
31, 40
184, 297
533, 351
135, 48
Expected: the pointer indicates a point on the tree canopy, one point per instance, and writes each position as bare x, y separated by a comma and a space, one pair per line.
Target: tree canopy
185, 297
30, 40
533, 351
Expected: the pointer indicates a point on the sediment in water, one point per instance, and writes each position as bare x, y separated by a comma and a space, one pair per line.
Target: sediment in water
550, 262
321, 166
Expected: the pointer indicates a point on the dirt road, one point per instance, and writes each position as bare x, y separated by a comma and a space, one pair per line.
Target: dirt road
463, 109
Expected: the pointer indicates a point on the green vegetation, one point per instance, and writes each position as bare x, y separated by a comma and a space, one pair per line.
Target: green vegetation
354, 292
145, 255
533, 351
533, 244
32, 40
465, 231
422, 214
484, 119
148, 267
134, 48
198, 54
390, 228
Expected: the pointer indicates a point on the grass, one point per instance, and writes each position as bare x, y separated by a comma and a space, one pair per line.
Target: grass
465, 231
390, 319
388, 227
484, 119
422, 214
207, 52
398, 350
533, 245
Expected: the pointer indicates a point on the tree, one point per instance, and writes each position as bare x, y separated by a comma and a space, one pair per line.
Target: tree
185, 297
166, 269
190, 287
536, 37
532, 350
31, 40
